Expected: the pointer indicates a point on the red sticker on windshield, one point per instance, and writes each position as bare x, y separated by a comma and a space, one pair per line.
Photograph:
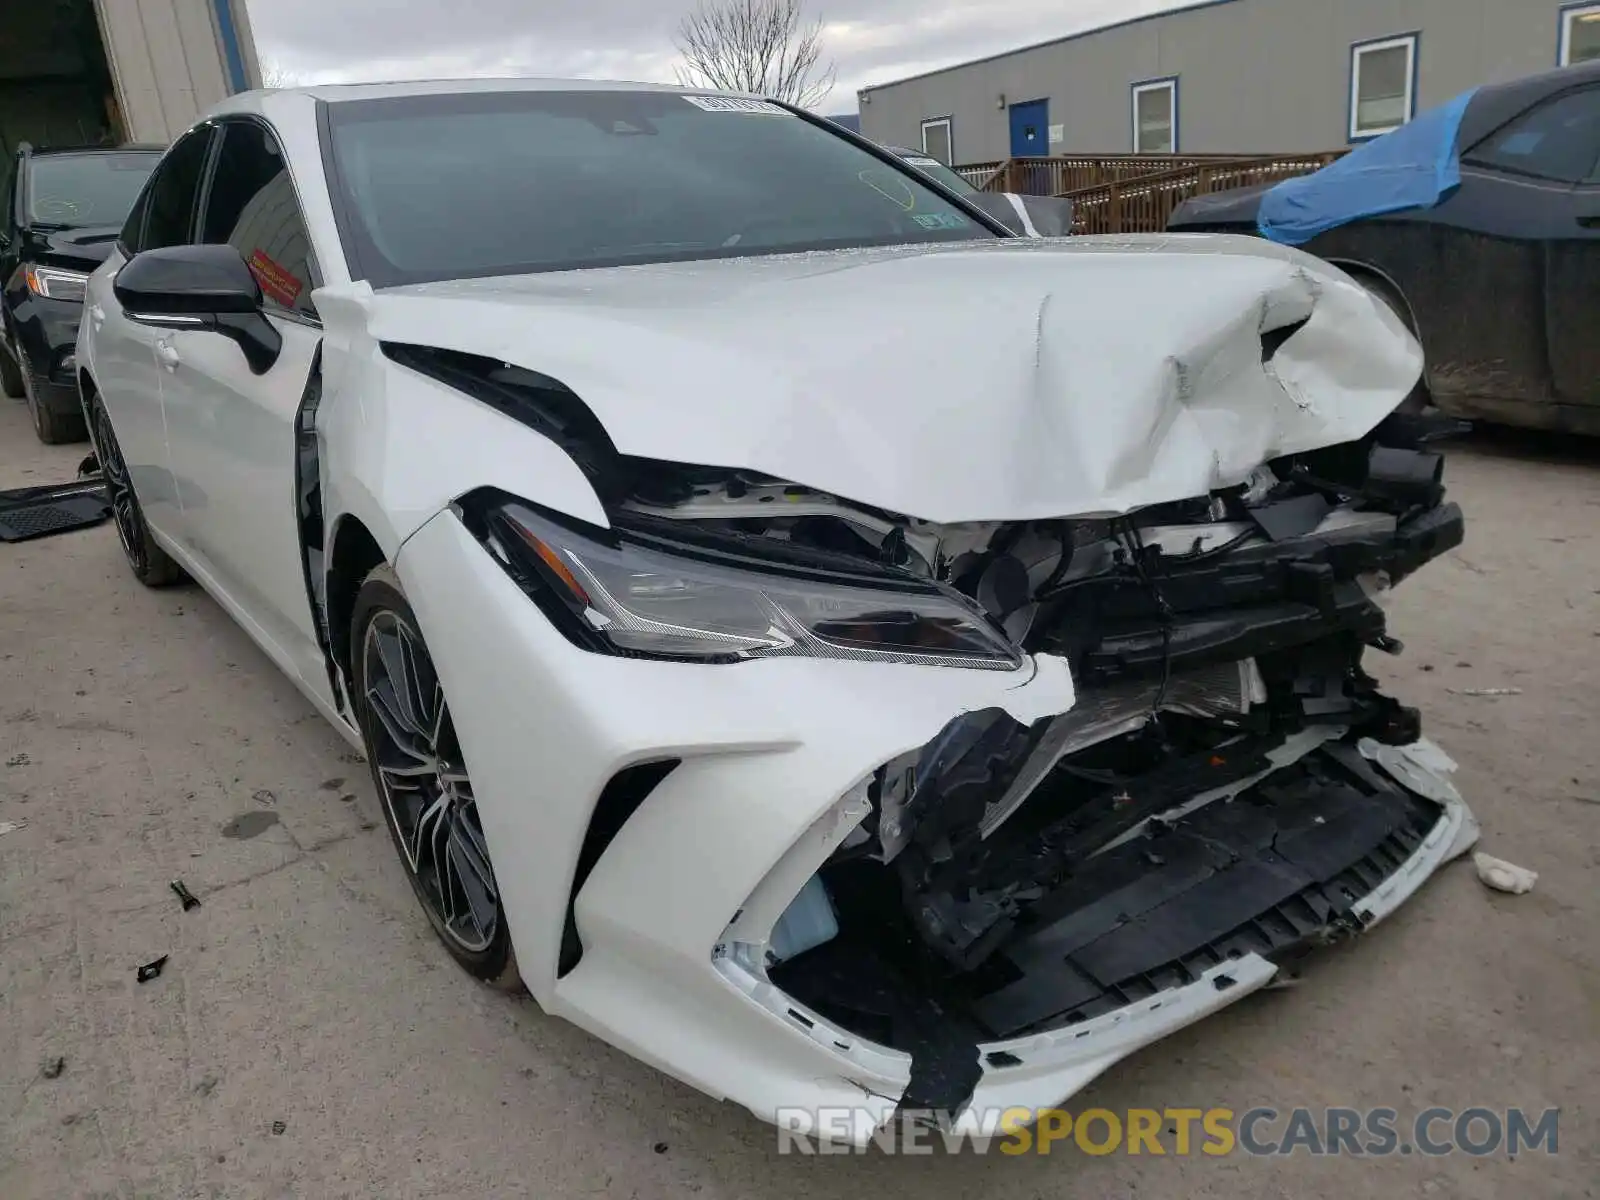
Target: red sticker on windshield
275, 282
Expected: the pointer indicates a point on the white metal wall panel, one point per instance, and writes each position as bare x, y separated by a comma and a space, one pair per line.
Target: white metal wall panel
168, 61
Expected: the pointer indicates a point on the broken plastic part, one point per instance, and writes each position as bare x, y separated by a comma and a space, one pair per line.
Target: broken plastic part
151, 969
1501, 876
806, 924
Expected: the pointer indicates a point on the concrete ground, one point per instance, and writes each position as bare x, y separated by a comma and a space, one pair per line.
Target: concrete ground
309, 1037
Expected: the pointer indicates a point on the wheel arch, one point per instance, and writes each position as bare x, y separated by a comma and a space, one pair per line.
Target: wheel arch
1365, 272
353, 552
1379, 282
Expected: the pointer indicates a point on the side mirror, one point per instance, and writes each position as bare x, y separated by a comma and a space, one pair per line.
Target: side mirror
200, 287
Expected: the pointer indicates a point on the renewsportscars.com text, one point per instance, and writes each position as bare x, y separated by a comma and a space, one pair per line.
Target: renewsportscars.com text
1181, 1132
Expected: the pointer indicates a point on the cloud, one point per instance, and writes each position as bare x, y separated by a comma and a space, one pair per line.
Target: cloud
871, 41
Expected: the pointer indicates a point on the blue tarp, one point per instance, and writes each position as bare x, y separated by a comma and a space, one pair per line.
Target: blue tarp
1413, 167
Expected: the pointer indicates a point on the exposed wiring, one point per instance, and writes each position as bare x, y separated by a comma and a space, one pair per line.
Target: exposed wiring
1216, 551
1164, 608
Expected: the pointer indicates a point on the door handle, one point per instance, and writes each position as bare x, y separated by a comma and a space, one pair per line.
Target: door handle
1590, 222
167, 355
97, 315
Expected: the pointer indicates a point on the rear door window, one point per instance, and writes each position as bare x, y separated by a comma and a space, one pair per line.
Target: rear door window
174, 192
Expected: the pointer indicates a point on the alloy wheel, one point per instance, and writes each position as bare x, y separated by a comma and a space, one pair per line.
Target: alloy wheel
125, 513
424, 783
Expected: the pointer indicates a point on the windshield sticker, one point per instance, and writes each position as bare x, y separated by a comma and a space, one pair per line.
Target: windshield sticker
918, 161
274, 280
940, 220
896, 190
736, 104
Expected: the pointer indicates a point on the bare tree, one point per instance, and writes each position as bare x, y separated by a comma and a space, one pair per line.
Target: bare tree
275, 75
760, 46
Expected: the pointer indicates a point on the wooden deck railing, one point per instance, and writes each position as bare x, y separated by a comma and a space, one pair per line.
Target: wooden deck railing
1136, 193
1071, 172
1144, 204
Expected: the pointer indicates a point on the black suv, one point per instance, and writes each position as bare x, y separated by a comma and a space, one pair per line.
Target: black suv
63, 212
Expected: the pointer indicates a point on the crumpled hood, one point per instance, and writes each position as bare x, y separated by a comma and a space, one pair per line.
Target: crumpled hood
1004, 380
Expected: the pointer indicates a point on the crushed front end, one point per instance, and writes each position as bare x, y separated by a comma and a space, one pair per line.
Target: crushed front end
1017, 905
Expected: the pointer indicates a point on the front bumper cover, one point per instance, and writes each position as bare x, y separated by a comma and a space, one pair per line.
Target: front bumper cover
772, 761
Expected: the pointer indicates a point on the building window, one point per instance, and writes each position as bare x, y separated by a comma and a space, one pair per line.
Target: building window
936, 140
1383, 86
1580, 33
1155, 117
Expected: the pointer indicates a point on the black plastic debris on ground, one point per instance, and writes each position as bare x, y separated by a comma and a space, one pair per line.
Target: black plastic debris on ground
58, 508
189, 899
279, 1128
151, 969
53, 1067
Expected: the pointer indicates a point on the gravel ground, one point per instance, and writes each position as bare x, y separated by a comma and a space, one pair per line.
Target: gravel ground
309, 1038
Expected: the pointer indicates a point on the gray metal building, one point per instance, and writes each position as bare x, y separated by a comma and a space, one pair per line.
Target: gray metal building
1229, 76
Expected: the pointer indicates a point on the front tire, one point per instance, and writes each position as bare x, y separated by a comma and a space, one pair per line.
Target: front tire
422, 782
10, 374
151, 565
53, 428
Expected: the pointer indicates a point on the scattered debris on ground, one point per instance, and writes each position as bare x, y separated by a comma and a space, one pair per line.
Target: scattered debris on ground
1502, 876
1485, 691
53, 1067
11, 827
151, 969
189, 899
279, 1128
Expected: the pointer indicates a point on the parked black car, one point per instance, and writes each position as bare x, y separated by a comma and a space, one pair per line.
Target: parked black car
1501, 279
63, 212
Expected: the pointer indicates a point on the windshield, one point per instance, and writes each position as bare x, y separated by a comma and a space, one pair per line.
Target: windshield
76, 190
953, 180
451, 186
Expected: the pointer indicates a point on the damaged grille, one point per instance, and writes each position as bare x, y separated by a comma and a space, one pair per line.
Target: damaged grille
1201, 801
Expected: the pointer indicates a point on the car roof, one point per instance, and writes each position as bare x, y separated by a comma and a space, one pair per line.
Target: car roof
1494, 105
334, 93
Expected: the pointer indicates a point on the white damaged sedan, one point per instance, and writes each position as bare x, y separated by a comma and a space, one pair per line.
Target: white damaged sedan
838, 652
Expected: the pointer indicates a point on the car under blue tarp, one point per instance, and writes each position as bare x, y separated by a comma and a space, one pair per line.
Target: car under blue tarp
1414, 167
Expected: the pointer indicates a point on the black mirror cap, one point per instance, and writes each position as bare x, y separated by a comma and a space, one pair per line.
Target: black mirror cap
188, 281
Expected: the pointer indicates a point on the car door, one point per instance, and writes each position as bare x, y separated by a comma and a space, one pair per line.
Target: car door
1528, 184
1572, 291
124, 349
231, 430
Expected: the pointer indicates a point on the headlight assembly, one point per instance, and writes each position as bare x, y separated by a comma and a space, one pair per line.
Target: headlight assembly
54, 283
633, 596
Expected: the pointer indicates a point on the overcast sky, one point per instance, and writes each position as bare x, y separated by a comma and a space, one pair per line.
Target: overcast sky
871, 41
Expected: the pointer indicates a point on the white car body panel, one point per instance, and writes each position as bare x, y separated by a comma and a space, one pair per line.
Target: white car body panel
230, 438
1094, 382
1007, 381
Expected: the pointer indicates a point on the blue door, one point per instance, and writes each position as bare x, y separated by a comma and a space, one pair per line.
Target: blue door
1030, 129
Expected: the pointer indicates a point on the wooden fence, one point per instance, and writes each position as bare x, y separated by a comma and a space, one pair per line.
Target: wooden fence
1135, 193
1145, 203
1072, 172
